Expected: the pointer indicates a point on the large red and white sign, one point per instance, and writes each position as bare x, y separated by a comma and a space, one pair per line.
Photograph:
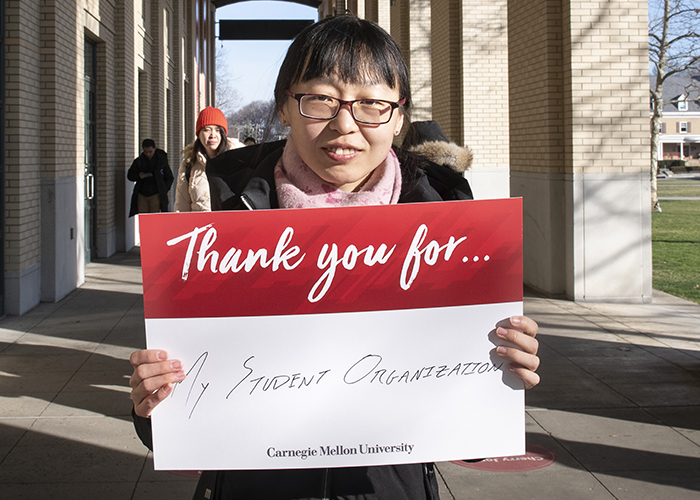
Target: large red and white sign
335, 337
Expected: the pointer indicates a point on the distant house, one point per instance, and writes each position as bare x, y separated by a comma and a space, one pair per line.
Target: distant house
680, 124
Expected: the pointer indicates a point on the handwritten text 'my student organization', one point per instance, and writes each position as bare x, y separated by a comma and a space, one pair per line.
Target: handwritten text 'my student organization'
289, 257
367, 370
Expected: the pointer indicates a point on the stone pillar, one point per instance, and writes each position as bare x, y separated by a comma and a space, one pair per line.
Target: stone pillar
446, 60
537, 154
159, 75
580, 146
62, 151
410, 27
23, 156
357, 7
126, 136
484, 40
106, 180
379, 11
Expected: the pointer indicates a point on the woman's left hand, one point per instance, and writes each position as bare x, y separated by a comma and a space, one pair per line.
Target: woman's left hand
520, 331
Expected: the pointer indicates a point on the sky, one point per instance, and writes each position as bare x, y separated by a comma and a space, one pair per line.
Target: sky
252, 66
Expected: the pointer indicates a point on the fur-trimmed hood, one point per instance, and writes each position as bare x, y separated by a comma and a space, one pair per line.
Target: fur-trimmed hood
449, 154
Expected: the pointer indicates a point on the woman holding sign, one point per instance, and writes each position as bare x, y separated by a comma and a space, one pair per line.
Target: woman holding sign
343, 89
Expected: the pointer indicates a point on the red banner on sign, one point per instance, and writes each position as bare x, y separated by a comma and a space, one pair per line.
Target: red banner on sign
331, 260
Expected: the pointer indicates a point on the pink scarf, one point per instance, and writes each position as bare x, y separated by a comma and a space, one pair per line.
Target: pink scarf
299, 187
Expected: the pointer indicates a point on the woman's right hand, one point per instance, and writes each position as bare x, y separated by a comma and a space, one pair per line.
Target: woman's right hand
153, 379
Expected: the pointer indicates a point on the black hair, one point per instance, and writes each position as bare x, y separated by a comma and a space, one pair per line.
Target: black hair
353, 49
148, 143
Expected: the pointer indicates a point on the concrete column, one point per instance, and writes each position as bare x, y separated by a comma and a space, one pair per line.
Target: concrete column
446, 61
125, 118
106, 181
357, 7
62, 150
23, 153
159, 74
484, 40
410, 27
579, 146
379, 11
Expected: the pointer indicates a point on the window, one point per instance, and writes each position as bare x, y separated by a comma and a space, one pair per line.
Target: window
683, 105
683, 127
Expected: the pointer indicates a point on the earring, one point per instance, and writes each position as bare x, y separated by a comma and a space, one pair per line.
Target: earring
397, 132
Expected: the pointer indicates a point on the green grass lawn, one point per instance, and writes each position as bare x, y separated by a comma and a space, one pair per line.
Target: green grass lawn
676, 241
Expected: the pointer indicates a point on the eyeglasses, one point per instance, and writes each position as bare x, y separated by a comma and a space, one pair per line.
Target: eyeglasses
324, 107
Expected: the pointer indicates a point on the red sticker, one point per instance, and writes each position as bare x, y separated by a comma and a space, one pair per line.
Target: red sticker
536, 457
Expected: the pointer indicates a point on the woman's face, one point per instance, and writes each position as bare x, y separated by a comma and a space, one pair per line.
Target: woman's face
341, 151
210, 137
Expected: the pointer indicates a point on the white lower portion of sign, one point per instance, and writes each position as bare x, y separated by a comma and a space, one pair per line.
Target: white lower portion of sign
336, 390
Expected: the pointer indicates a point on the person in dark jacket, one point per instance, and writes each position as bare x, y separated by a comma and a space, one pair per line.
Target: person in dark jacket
153, 177
425, 138
343, 90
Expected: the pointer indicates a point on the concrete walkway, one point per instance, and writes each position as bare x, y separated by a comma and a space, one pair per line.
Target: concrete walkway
617, 412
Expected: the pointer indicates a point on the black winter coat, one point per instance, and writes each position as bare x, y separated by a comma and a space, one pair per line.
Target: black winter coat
243, 179
161, 173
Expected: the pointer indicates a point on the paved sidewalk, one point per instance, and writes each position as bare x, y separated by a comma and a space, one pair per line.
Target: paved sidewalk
619, 402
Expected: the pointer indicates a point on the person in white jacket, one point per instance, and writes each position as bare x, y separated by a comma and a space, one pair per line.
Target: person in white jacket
192, 191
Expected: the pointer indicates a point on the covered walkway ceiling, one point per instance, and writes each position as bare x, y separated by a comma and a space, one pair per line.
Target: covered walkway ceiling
309, 3
262, 29
267, 29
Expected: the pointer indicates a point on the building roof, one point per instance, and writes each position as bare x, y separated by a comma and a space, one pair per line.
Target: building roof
677, 86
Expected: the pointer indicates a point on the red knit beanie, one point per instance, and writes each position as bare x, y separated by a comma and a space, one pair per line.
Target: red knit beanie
211, 116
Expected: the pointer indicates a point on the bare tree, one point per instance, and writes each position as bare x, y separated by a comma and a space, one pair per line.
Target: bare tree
674, 47
227, 97
258, 120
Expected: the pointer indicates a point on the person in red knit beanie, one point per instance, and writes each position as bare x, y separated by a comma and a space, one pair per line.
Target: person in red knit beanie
192, 190
210, 116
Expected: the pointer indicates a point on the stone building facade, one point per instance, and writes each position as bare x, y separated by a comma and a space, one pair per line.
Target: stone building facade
85, 82
551, 96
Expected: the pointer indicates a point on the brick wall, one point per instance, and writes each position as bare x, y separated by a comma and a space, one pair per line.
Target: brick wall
23, 135
579, 86
45, 127
446, 51
485, 81
417, 22
536, 86
106, 151
579, 112
607, 86
378, 11
62, 108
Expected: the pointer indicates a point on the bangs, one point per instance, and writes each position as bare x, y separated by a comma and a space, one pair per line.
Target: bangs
354, 57
353, 50
346, 47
